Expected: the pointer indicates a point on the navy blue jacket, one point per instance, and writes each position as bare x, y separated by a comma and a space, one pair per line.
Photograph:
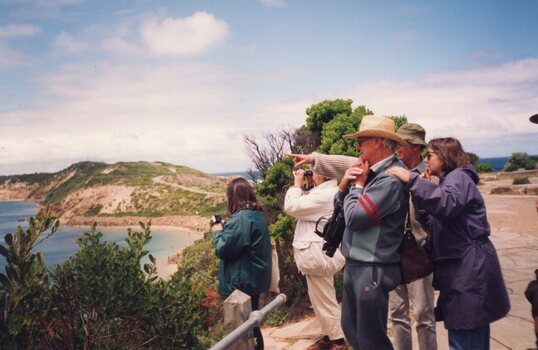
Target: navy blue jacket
467, 270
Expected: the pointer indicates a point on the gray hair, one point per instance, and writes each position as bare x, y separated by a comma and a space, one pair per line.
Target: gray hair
389, 145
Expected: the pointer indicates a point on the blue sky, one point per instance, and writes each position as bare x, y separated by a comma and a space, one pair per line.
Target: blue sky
183, 81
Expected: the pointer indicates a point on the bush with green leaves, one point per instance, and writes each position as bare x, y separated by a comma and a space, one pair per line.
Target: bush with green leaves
278, 177
516, 161
483, 167
530, 164
292, 283
521, 181
98, 298
24, 288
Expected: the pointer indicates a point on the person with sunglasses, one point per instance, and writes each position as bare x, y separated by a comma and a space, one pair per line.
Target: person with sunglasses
467, 271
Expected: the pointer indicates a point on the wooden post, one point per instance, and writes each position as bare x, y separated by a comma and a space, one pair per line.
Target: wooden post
237, 308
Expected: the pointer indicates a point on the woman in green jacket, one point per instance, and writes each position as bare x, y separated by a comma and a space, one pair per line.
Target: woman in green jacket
244, 247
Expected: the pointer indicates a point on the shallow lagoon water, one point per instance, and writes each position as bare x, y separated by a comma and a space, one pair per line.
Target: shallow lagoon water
62, 244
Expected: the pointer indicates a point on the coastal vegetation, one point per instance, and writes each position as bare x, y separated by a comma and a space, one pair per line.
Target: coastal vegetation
101, 297
519, 160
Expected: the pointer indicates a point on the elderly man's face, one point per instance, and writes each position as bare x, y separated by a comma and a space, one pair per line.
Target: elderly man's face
365, 145
408, 153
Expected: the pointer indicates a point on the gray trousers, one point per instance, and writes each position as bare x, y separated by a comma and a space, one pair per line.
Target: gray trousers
419, 294
365, 304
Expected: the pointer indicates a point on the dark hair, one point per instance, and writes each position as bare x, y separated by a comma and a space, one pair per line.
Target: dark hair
450, 152
241, 196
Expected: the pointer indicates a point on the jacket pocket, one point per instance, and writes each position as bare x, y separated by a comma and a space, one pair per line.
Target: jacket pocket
311, 260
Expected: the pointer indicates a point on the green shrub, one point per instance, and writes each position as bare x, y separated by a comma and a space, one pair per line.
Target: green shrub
94, 210
483, 168
515, 161
511, 167
530, 164
278, 176
98, 298
292, 282
24, 288
521, 181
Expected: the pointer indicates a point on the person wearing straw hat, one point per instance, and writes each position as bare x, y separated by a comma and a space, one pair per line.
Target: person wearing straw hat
374, 210
374, 207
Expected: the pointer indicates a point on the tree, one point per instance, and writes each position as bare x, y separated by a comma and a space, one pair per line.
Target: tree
515, 161
332, 141
303, 140
264, 156
321, 113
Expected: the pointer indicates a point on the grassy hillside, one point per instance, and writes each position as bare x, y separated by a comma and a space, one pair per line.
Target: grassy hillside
125, 189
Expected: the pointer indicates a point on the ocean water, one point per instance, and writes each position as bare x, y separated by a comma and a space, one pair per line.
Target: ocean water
497, 163
62, 244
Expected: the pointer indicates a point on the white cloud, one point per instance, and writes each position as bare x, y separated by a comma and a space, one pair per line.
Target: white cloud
182, 37
484, 104
19, 30
180, 113
195, 114
487, 108
66, 44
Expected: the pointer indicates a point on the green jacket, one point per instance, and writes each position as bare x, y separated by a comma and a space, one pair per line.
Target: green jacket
244, 249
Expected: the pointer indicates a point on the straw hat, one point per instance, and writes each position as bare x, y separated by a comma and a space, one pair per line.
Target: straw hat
413, 133
377, 126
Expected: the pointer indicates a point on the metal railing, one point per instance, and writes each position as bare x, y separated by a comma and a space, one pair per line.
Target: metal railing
255, 319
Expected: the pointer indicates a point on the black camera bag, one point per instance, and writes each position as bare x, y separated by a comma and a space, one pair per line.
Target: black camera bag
333, 231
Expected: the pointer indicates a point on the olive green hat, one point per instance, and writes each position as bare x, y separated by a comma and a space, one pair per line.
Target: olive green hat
413, 133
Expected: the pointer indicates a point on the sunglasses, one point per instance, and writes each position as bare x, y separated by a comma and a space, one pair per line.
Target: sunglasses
361, 140
429, 155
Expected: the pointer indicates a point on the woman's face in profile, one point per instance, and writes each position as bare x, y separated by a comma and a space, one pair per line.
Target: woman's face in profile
434, 163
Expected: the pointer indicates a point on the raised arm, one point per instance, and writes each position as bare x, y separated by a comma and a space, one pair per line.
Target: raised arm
444, 201
232, 240
332, 166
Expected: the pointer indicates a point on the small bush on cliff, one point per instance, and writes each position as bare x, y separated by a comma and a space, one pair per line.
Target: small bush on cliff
483, 168
24, 288
521, 181
99, 298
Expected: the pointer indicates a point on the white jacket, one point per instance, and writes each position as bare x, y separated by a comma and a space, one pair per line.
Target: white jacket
308, 208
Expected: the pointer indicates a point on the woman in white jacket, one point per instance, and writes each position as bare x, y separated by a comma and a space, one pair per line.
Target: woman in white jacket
318, 268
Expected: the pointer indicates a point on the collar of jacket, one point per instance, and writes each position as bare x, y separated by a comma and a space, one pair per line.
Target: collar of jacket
384, 164
420, 168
